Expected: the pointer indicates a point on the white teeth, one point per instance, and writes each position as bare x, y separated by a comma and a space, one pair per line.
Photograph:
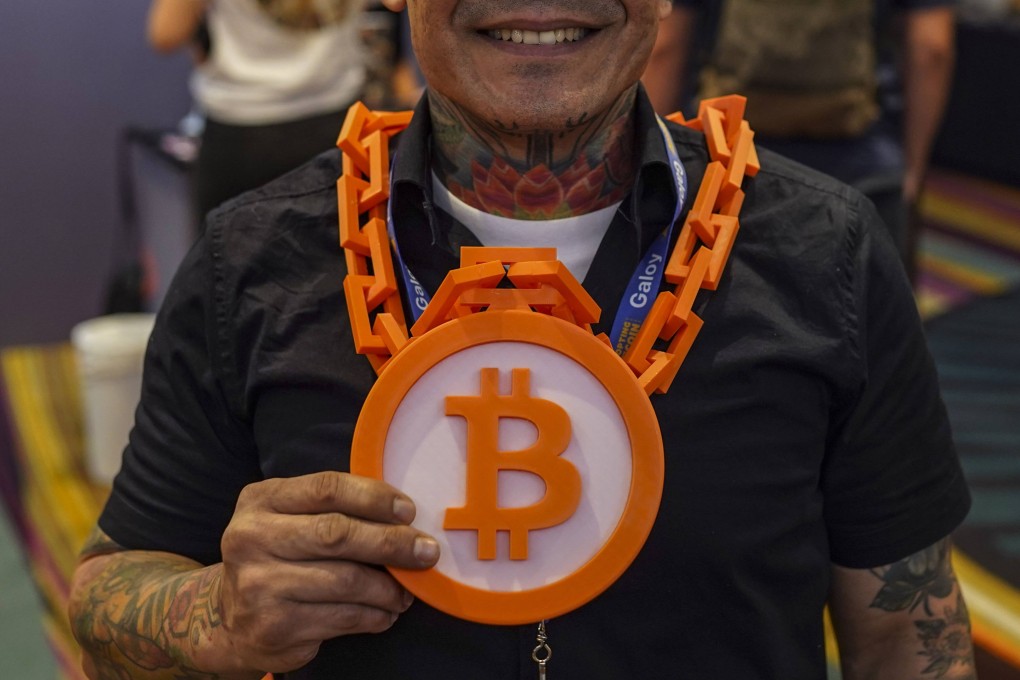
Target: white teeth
527, 37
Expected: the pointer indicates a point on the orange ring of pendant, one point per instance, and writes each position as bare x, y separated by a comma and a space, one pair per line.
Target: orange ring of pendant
647, 464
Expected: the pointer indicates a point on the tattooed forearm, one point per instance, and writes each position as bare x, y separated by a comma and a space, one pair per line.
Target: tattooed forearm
946, 643
924, 587
916, 580
145, 615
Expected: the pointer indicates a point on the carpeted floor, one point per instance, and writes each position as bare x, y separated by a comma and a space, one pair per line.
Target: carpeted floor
977, 350
969, 293
970, 242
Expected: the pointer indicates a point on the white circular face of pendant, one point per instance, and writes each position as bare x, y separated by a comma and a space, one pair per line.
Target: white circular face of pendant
534, 458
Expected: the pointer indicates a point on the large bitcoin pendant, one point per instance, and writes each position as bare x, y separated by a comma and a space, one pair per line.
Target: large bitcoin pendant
532, 453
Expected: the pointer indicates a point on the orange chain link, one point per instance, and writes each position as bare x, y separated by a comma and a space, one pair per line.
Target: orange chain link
542, 284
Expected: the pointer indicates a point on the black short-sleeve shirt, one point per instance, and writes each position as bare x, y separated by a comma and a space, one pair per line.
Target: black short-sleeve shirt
805, 427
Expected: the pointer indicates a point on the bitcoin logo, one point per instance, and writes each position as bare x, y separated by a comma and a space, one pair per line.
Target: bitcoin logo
485, 460
516, 446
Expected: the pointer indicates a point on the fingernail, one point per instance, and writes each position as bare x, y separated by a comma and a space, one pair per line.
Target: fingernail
408, 599
403, 510
426, 550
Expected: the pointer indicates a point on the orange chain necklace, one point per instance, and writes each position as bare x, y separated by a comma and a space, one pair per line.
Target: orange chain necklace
541, 284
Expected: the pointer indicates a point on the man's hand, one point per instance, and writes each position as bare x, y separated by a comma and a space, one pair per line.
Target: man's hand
297, 559
300, 565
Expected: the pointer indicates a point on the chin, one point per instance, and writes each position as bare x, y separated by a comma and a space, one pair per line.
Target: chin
530, 108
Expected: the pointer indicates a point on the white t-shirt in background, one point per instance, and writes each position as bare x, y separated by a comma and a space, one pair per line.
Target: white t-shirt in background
260, 73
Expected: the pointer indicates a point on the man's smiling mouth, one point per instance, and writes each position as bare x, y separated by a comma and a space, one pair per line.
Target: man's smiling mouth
526, 37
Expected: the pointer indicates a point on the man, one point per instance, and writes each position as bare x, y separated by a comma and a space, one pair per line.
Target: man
808, 457
856, 88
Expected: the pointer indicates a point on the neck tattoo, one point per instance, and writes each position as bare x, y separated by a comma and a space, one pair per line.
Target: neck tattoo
535, 175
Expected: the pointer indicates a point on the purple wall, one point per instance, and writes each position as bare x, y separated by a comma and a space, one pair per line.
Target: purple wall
73, 75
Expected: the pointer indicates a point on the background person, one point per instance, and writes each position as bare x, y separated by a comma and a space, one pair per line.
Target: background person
854, 88
272, 79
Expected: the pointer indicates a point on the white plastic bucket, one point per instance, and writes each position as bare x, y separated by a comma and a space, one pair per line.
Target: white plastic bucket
110, 351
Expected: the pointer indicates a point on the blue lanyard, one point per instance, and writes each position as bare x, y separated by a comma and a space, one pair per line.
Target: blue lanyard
644, 283
416, 293
646, 279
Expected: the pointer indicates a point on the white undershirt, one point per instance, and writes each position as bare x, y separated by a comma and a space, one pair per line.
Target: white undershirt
576, 239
